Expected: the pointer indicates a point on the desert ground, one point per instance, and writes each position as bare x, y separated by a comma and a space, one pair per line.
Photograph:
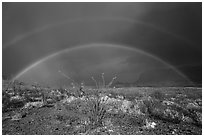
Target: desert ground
37, 110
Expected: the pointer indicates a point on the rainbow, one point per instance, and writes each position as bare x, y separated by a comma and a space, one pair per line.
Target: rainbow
125, 47
127, 20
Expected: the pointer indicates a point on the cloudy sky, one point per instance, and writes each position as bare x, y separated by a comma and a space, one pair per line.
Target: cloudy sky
141, 43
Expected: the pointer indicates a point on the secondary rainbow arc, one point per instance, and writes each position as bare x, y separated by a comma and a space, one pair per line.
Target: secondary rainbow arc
128, 20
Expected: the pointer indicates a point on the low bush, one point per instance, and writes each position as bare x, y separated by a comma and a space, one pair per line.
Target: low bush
97, 111
158, 95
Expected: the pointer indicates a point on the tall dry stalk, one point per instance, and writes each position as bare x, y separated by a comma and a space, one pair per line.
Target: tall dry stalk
95, 82
111, 82
104, 84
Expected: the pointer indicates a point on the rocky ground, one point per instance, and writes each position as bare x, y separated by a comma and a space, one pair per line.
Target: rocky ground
38, 111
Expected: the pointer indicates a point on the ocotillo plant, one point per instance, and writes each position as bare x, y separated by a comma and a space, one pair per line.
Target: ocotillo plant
98, 109
104, 84
111, 82
95, 82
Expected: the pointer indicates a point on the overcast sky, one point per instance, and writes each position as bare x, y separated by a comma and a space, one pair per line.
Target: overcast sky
139, 42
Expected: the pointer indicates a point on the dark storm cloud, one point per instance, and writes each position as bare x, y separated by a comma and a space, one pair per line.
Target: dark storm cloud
184, 19
170, 31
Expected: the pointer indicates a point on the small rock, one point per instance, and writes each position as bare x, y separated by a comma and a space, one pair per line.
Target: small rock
33, 104
120, 97
187, 119
193, 106
166, 102
150, 124
199, 102
126, 105
17, 116
50, 101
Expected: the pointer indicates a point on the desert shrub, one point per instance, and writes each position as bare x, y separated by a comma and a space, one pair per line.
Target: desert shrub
193, 94
97, 111
154, 107
158, 95
5, 101
111, 93
62, 90
148, 102
195, 115
159, 111
130, 97
96, 105
69, 93
93, 107
74, 105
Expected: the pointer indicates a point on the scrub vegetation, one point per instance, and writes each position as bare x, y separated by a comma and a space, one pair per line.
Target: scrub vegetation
36, 110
